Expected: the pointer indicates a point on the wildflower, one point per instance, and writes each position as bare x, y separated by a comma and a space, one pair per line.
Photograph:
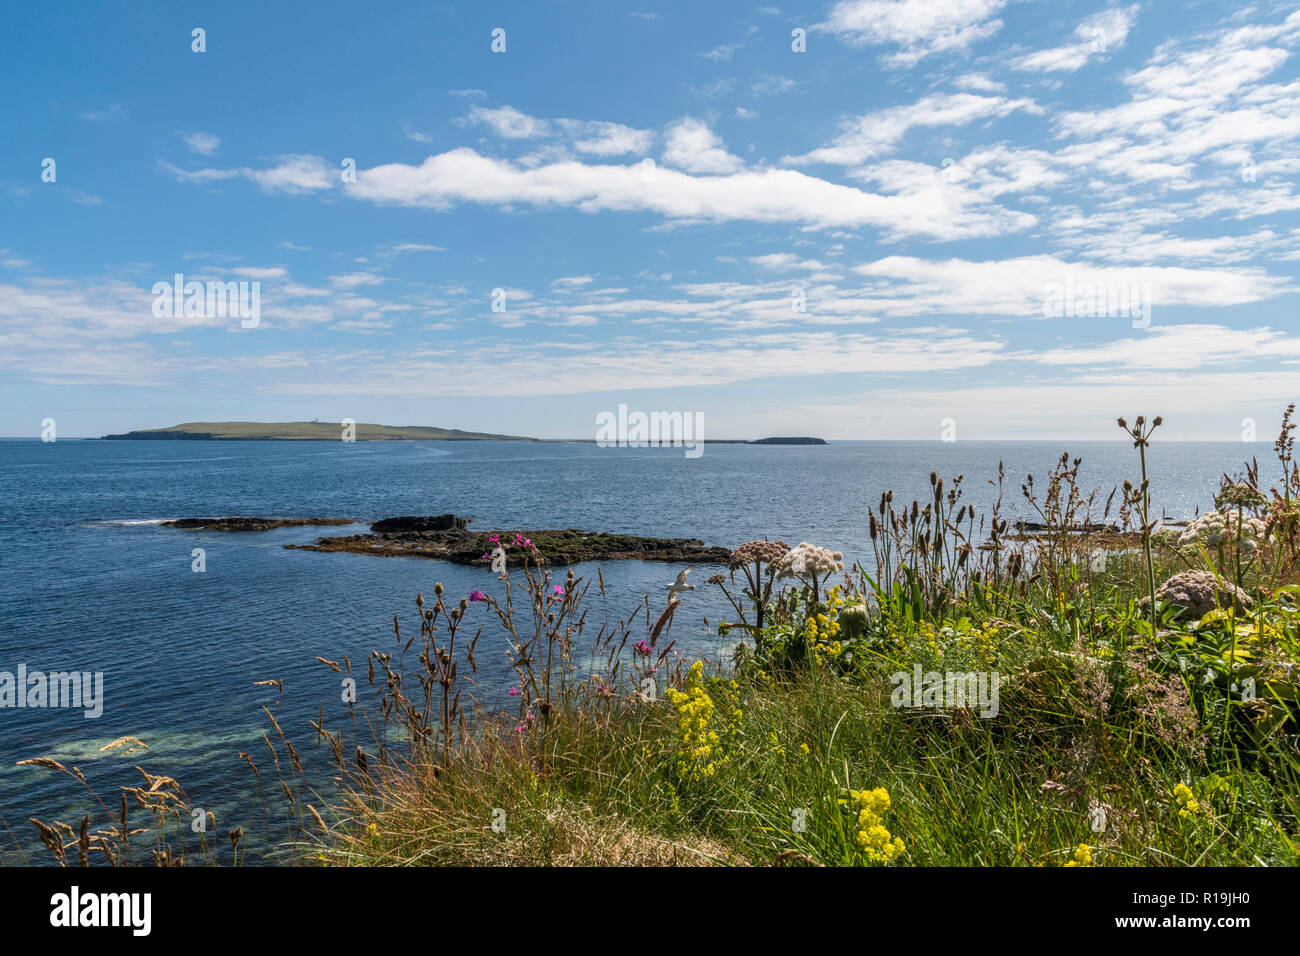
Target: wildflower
1082, 856
514, 691
754, 551
477, 596
809, 559
1215, 528
695, 710
1189, 805
803, 749
642, 648
875, 840
559, 590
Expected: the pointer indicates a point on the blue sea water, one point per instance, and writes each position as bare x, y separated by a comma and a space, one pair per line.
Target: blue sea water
90, 581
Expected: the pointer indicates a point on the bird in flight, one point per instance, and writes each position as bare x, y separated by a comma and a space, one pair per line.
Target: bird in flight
679, 585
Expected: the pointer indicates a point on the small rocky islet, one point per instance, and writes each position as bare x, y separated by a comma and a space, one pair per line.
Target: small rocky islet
238, 523
448, 538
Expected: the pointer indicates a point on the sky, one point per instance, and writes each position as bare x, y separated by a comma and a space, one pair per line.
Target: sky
863, 219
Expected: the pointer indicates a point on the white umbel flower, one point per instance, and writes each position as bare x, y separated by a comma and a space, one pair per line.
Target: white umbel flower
808, 558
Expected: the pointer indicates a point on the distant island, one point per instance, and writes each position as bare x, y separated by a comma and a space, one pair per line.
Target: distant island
333, 431
304, 431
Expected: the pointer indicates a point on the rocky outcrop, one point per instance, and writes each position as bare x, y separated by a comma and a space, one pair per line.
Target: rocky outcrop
549, 547
249, 524
1198, 593
447, 522
1084, 527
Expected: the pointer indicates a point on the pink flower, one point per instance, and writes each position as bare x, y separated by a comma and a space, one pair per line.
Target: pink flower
514, 692
559, 589
495, 539
477, 596
642, 648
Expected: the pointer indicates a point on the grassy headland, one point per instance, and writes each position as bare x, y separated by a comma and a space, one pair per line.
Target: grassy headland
971, 698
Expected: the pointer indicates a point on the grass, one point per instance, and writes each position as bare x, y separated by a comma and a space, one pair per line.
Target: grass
1126, 731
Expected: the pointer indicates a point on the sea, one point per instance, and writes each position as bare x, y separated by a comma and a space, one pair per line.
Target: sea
91, 581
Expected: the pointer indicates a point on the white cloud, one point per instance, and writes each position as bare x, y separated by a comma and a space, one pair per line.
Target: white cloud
980, 83
785, 261
606, 139
919, 28
354, 280
1020, 286
692, 146
205, 144
509, 122
761, 195
293, 175
722, 53
1097, 36
878, 133
1180, 347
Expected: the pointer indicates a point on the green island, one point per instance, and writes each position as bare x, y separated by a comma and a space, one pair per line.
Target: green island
304, 431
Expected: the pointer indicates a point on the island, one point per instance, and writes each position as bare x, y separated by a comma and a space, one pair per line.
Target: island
790, 441
240, 523
304, 431
447, 537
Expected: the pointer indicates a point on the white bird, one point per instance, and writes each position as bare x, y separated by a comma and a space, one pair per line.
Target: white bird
679, 585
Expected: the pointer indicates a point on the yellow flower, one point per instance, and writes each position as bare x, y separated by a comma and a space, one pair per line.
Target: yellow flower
876, 842
1082, 856
695, 709
1190, 805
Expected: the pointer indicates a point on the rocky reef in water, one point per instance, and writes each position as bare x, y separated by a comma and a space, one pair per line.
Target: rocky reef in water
447, 537
249, 524
411, 537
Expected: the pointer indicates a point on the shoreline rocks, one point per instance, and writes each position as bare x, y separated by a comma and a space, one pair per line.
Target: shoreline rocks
239, 523
446, 537
447, 522
550, 547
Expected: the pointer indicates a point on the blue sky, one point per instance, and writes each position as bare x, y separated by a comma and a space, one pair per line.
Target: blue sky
650, 184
